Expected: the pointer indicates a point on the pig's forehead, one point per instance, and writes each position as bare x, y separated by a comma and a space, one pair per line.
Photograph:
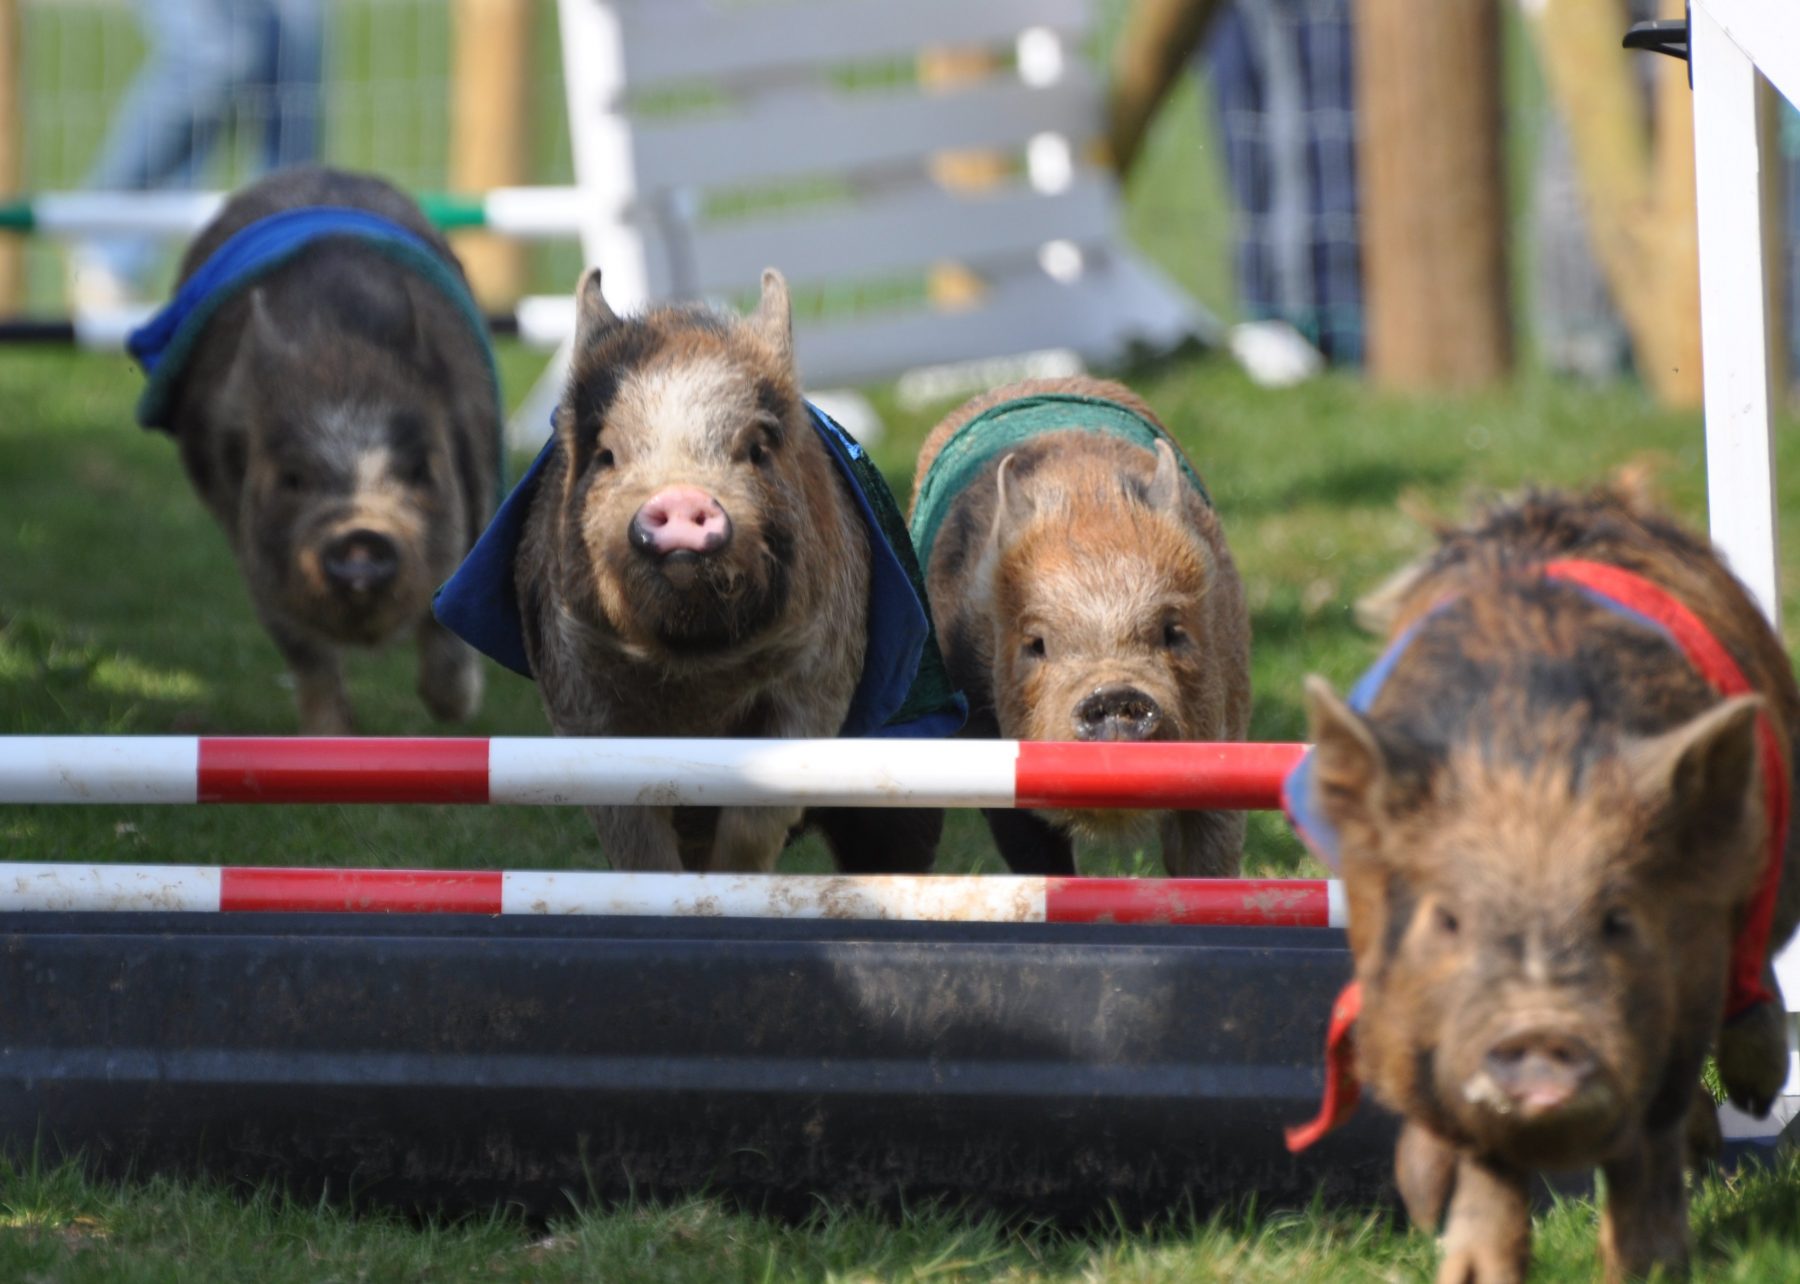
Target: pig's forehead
1522, 823
1127, 579
345, 430
694, 388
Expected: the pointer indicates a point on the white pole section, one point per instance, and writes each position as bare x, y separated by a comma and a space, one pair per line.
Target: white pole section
1734, 308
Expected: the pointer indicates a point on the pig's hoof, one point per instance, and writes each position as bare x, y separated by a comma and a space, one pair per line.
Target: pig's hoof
1753, 1058
454, 696
1425, 1172
1471, 1265
1704, 1141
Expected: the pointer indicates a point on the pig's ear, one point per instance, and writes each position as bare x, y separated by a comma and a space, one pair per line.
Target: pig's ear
1349, 773
1378, 610
592, 314
1165, 485
264, 353
1699, 778
774, 316
1013, 507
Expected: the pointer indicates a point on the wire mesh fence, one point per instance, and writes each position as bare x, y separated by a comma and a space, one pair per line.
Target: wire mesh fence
373, 94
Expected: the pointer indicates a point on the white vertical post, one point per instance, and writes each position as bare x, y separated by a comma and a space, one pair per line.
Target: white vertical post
1736, 302
1734, 308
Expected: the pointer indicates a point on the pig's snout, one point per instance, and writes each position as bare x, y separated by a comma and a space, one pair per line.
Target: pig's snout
680, 519
1536, 1072
361, 561
1117, 712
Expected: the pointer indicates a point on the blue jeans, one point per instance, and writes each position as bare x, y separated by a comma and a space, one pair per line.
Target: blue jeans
209, 62
1281, 77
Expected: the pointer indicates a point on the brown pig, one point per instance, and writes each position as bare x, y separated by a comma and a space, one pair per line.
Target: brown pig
1559, 803
328, 380
1085, 591
688, 558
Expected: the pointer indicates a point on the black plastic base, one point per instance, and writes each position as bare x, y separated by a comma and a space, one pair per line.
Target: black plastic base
450, 1062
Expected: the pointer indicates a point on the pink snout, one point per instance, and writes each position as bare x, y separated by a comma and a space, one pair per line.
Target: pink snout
680, 519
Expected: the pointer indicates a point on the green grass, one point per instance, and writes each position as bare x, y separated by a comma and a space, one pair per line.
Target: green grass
121, 611
56, 1226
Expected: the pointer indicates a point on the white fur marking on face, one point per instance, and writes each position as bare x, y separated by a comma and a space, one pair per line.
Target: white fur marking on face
682, 413
372, 470
1102, 606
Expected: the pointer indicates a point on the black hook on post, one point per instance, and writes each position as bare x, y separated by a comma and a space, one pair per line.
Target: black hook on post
1667, 36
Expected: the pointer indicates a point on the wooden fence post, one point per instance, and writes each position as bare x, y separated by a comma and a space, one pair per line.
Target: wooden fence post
1429, 135
1636, 171
490, 147
1159, 40
12, 155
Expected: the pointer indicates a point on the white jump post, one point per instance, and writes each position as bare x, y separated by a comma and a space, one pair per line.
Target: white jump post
1734, 45
841, 193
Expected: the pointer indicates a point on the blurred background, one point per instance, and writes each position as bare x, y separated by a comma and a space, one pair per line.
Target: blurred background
1253, 154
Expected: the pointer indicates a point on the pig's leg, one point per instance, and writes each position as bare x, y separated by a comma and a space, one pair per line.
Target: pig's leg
1425, 1172
749, 839
881, 840
637, 838
1753, 1055
319, 692
449, 674
1704, 1141
1203, 844
1645, 1223
1487, 1239
1030, 844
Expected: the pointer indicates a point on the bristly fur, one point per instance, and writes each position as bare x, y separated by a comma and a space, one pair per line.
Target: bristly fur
769, 639
1551, 824
1101, 573
339, 394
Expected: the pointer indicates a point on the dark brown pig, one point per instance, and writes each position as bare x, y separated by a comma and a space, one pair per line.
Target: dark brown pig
338, 415
1559, 815
1085, 591
689, 560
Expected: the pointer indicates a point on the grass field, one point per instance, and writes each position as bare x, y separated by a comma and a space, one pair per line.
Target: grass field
120, 611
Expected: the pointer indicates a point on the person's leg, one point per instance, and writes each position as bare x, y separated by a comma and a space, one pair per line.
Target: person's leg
161, 129
1234, 76
1790, 166
1326, 45
295, 56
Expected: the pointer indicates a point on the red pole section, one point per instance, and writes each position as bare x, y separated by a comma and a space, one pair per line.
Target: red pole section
1218, 777
351, 770
361, 891
1218, 902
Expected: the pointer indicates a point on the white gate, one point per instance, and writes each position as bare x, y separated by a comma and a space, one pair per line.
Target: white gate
1731, 44
713, 138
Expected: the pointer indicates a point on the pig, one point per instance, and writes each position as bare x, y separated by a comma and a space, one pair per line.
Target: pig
1552, 827
339, 418
692, 563
1085, 591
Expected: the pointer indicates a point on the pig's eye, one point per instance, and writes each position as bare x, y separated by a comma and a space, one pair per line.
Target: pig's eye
1616, 925
291, 481
1445, 922
1034, 648
1174, 635
419, 473
759, 453
604, 459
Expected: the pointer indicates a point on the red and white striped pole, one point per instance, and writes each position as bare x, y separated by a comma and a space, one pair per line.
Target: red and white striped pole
737, 773
983, 898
